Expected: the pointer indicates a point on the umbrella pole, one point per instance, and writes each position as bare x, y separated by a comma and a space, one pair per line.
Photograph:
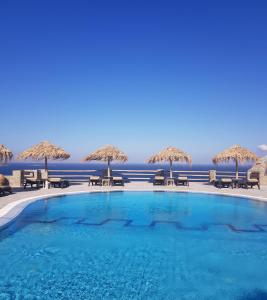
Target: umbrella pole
236, 169
46, 163
46, 174
108, 167
170, 168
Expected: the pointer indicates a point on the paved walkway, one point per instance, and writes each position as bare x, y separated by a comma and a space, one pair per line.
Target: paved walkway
12, 205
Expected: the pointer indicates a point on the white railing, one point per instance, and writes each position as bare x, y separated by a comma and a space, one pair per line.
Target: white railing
141, 175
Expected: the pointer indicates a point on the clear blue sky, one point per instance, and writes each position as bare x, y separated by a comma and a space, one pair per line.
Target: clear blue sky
138, 74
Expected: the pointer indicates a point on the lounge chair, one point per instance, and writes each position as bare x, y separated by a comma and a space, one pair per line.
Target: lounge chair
223, 183
253, 179
100, 180
246, 183
33, 178
95, 180
117, 180
253, 182
182, 180
4, 185
159, 178
220, 183
38, 183
57, 182
114, 180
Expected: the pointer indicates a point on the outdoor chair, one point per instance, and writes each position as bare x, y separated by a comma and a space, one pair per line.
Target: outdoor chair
117, 180
253, 179
223, 183
95, 180
114, 180
57, 182
33, 178
101, 180
159, 178
246, 183
253, 182
182, 180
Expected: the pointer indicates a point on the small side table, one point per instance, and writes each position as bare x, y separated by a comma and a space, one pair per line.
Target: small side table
106, 182
236, 182
170, 181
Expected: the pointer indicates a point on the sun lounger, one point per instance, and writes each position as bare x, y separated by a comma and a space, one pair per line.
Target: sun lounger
33, 178
254, 179
95, 180
253, 182
100, 180
223, 183
182, 180
114, 180
38, 183
159, 178
246, 183
249, 182
117, 180
57, 182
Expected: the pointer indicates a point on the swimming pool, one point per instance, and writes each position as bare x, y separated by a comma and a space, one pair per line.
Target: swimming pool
136, 245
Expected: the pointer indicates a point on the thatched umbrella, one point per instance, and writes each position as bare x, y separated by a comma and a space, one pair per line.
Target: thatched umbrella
108, 154
5, 154
44, 150
237, 154
171, 154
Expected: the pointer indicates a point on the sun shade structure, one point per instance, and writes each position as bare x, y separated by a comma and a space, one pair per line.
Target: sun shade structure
108, 154
171, 154
44, 150
237, 154
5, 154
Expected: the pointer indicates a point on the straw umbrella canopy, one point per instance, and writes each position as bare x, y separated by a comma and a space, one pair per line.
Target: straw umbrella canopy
171, 154
5, 154
44, 150
107, 154
237, 154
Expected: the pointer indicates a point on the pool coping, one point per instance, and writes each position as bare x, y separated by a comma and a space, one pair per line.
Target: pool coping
11, 211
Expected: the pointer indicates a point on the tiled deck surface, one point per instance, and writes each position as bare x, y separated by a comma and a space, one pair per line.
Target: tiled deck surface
12, 205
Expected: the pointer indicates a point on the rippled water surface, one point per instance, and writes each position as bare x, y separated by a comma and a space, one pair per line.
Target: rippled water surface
139, 245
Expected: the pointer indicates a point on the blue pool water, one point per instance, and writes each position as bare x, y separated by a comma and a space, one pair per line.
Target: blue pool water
136, 245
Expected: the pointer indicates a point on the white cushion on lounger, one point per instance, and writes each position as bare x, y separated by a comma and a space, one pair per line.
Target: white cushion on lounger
54, 179
226, 180
253, 180
182, 178
117, 178
94, 177
159, 177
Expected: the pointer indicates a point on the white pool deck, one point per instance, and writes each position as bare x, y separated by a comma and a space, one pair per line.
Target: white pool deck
12, 205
